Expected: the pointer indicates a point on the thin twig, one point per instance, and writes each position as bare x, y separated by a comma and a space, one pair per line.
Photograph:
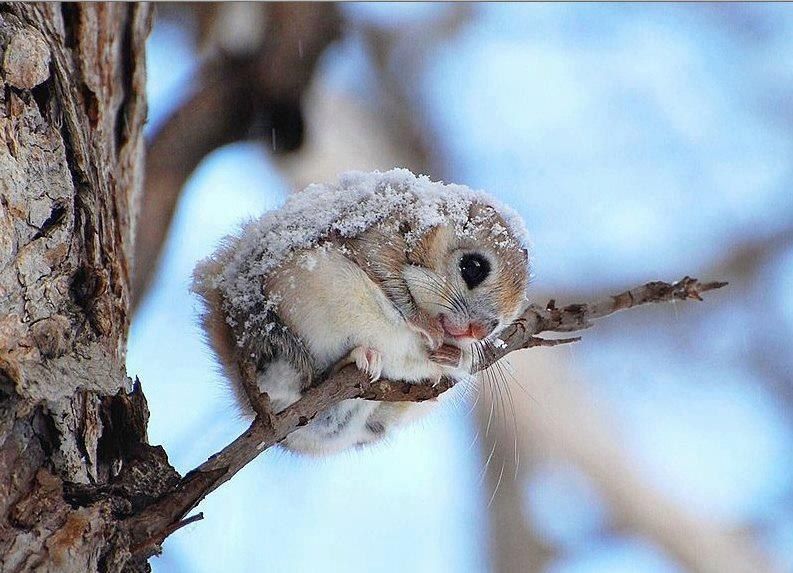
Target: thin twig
151, 546
350, 383
259, 401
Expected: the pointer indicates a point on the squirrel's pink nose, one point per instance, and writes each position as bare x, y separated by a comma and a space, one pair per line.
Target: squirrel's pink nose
478, 330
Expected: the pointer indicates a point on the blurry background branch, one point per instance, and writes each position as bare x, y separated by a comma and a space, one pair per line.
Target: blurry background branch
569, 429
250, 90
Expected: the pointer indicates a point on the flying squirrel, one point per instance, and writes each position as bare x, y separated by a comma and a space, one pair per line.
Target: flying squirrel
405, 277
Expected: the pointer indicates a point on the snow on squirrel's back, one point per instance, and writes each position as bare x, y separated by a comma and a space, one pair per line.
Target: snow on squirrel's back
356, 203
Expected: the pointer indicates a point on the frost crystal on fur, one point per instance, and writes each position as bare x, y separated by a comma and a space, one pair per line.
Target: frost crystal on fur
356, 203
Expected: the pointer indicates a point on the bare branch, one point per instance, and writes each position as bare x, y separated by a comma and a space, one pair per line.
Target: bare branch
155, 542
350, 383
260, 401
576, 317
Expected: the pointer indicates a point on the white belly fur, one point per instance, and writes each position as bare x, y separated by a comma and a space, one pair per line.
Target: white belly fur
333, 306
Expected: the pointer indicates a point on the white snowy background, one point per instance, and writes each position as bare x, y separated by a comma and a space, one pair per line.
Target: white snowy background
639, 143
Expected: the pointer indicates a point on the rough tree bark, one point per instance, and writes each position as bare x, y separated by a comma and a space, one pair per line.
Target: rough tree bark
72, 111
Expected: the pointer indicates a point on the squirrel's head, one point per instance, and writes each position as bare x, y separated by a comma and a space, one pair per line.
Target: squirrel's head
471, 276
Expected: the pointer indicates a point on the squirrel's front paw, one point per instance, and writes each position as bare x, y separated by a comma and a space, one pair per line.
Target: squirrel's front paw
429, 328
447, 355
368, 360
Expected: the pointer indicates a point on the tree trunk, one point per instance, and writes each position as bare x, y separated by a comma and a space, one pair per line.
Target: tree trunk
72, 426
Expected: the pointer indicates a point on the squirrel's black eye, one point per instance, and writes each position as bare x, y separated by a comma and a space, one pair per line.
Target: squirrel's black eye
474, 269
